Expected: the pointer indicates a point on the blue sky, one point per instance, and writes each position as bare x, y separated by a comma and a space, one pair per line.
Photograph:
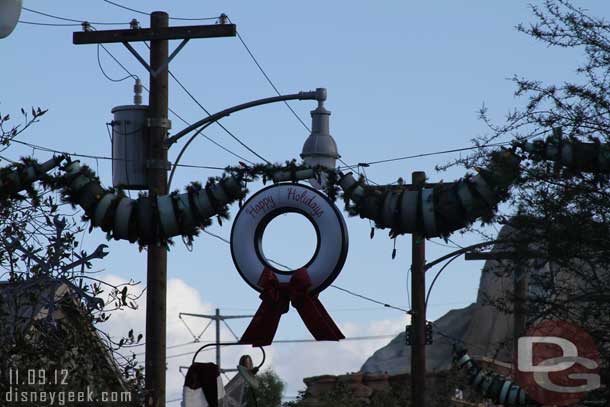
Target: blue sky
402, 77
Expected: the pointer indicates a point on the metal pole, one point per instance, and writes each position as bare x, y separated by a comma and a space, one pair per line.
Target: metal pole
156, 281
217, 319
418, 300
520, 305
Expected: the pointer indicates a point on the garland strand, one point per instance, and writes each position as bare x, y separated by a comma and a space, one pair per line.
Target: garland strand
435, 210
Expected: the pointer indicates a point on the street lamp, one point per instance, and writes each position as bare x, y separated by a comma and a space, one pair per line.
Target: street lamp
10, 10
320, 148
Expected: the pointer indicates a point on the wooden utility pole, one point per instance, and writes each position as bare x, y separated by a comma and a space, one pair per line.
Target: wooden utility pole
157, 164
156, 270
418, 301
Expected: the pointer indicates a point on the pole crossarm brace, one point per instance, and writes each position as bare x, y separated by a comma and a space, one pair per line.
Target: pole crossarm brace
145, 64
150, 34
319, 95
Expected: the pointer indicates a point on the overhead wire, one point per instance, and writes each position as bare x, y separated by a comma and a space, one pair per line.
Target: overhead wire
130, 75
279, 341
147, 14
180, 117
218, 123
49, 24
370, 299
72, 19
100, 157
407, 157
386, 305
241, 39
99, 63
454, 150
345, 166
126, 8
198, 103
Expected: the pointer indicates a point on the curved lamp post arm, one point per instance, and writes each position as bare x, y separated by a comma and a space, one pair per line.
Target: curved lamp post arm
451, 257
318, 94
179, 156
459, 252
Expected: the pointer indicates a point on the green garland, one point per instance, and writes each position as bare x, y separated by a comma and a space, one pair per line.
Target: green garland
450, 206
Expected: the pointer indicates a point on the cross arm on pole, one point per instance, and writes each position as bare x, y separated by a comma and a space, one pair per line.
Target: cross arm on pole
150, 34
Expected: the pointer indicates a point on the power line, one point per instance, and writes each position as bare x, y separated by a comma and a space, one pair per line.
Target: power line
369, 299
218, 123
70, 19
353, 338
407, 157
99, 63
147, 14
174, 112
49, 24
100, 157
287, 341
126, 8
455, 150
269, 79
332, 285
345, 166
120, 64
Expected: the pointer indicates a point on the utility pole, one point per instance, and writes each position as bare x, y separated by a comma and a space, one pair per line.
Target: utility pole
156, 269
217, 321
418, 301
520, 288
217, 318
159, 35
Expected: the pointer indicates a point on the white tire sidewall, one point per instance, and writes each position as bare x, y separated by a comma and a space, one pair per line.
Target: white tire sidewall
268, 203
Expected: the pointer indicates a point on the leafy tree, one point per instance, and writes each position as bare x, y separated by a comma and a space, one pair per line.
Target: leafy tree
560, 212
40, 251
269, 391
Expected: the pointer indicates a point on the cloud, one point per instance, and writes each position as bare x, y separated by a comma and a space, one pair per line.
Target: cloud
180, 298
292, 362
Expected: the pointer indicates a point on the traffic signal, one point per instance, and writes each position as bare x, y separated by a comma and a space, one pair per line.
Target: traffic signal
428, 333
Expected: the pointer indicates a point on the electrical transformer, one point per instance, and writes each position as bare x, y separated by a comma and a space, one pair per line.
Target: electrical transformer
129, 146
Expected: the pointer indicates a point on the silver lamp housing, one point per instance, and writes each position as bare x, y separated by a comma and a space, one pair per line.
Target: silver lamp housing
320, 148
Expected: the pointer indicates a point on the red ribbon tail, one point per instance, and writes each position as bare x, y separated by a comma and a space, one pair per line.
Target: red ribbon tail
263, 326
318, 321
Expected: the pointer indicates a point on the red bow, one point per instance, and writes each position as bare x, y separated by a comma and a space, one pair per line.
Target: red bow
276, 298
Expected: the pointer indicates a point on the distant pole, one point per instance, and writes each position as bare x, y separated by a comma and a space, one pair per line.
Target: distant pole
156, 284
418, 301
217, 320
217, 317
520, 305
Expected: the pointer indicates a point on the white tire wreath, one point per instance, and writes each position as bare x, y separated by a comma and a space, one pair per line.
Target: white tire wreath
268, 203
